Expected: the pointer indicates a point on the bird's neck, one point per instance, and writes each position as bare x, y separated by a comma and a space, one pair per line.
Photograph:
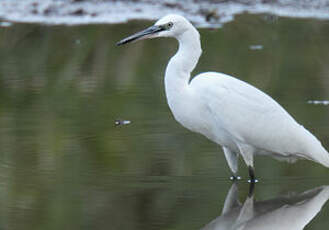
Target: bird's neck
181, 65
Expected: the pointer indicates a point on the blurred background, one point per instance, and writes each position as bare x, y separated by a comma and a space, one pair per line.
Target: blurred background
64, 164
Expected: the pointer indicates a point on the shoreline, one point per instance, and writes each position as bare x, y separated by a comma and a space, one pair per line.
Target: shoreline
204, 14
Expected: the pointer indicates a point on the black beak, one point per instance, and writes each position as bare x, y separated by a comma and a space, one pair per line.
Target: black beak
140, 35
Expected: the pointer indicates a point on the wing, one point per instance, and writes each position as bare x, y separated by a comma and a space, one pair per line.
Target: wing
248, 114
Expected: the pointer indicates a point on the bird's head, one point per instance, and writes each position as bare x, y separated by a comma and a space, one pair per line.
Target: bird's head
169, 26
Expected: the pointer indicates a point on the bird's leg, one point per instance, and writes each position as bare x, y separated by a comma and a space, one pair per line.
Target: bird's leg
251, 189
232, 161
251, 173
235, 178
252, 179
247, 153
232, 199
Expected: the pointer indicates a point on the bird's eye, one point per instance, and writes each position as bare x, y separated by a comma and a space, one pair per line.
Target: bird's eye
167, 26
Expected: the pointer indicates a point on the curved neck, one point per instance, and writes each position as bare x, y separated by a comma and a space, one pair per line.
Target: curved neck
181, 65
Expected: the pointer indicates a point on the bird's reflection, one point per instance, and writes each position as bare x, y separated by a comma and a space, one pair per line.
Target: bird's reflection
287, 212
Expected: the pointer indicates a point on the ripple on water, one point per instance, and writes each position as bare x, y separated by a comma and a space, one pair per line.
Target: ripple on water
203, 14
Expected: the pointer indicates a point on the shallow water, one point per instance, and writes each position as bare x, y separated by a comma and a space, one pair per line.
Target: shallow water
65, 164
204, 13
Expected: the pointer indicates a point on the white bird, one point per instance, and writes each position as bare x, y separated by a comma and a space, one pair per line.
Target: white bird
289, 212
232, 113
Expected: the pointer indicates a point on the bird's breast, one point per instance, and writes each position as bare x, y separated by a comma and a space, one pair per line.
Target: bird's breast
191, 114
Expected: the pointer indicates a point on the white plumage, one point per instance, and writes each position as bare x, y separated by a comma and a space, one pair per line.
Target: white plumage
239, 117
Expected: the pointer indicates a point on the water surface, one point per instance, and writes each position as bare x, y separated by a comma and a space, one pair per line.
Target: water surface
65, 164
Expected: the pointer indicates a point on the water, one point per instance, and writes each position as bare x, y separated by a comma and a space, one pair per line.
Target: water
204, 13
65, 164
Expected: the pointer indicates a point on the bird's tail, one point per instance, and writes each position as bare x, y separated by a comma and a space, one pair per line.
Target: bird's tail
316, 151
321, 155
325, 160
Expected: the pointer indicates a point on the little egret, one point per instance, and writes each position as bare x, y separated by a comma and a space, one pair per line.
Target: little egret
230, 112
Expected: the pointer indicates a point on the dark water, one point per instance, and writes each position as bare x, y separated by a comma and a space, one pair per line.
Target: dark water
65, 165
